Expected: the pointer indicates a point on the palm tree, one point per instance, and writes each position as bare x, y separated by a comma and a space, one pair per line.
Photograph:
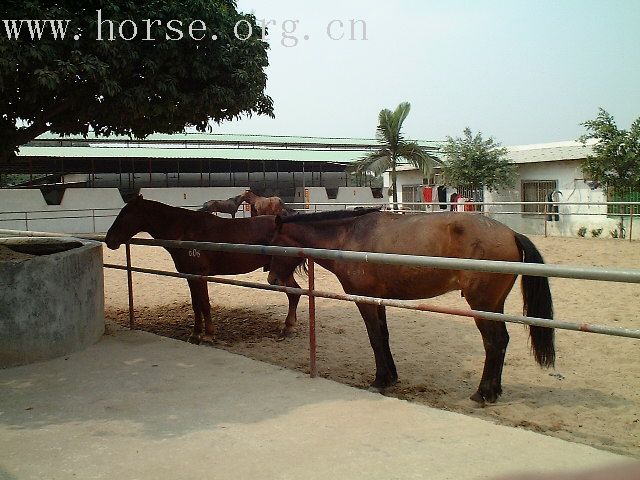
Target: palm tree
393, 147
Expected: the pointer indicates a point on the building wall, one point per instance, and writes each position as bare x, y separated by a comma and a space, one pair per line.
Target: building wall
344, 197
82, 210
570, 182
573, 188
88, 210
282, 184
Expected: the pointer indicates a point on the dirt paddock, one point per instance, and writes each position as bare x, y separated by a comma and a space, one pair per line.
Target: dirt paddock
591, 397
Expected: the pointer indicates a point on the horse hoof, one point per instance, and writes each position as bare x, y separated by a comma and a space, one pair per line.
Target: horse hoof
284, 334
382, 389
195, 339
478, 398
208, 339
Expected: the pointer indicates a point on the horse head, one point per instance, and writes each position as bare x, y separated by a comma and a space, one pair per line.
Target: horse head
249, 197
282, 268
128, 222
206, 206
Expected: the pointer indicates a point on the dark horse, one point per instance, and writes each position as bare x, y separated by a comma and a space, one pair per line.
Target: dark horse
172, 223
267, 205
229, 206
456, 235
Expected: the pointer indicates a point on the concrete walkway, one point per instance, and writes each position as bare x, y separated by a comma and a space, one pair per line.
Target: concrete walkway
138, 406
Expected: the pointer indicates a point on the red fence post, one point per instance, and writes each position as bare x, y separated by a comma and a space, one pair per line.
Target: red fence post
313, 371
130, 286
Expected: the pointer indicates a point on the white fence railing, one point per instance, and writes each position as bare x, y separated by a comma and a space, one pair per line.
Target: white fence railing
98, 220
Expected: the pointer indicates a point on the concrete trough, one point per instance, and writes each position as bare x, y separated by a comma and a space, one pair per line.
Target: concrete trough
51, 298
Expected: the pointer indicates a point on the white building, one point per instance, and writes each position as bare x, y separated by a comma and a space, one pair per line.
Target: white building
541, 170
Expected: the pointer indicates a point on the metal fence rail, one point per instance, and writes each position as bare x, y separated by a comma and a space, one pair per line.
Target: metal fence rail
561, 271
406, 304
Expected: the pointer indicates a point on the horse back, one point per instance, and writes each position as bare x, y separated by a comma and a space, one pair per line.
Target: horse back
451, 234
454, 235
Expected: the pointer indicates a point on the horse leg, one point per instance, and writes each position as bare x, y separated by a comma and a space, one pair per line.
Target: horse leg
376, 324
292, 319
382, 314
205, 308
495, 339
197, 311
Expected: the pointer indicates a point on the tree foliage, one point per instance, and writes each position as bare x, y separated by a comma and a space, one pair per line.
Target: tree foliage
134, 87
394, 147
616, 158
473, 162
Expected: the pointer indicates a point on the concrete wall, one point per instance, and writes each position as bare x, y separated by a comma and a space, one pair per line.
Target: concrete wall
89, 210
194, 197
52, 304
82, 210
351, 196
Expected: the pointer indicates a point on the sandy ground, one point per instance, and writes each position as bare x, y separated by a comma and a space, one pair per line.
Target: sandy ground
6, 254
591, 397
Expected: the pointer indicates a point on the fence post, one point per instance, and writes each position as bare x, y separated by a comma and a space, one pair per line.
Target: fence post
631, 210
130, 287
546, 211
313, 371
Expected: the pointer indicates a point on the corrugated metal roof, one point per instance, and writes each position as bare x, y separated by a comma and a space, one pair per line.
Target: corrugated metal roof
301, 155
200, 145
539, 152
212, 138
550, 152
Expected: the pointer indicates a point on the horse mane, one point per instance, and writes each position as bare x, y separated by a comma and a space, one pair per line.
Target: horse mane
330, 215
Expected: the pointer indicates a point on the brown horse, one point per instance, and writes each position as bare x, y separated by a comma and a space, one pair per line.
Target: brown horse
172, 223
456, 235
267, 205
229, 206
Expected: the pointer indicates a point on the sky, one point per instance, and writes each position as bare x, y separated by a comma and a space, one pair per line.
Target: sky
520, 71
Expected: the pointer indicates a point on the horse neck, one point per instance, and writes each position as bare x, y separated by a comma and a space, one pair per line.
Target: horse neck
164, 221
327, 235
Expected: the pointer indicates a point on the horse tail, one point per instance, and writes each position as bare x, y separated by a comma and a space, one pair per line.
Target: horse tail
536, 297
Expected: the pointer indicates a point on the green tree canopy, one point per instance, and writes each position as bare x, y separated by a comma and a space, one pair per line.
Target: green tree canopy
170, 75
472, 162
616, 158
393, 147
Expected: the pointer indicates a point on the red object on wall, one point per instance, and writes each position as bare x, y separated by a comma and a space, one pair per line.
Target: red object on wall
427, 194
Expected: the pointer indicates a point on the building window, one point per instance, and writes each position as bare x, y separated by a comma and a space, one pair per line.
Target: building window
412, 194
536, 191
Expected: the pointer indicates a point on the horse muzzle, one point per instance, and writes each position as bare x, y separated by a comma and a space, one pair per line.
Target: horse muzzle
112, 244
273, 279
